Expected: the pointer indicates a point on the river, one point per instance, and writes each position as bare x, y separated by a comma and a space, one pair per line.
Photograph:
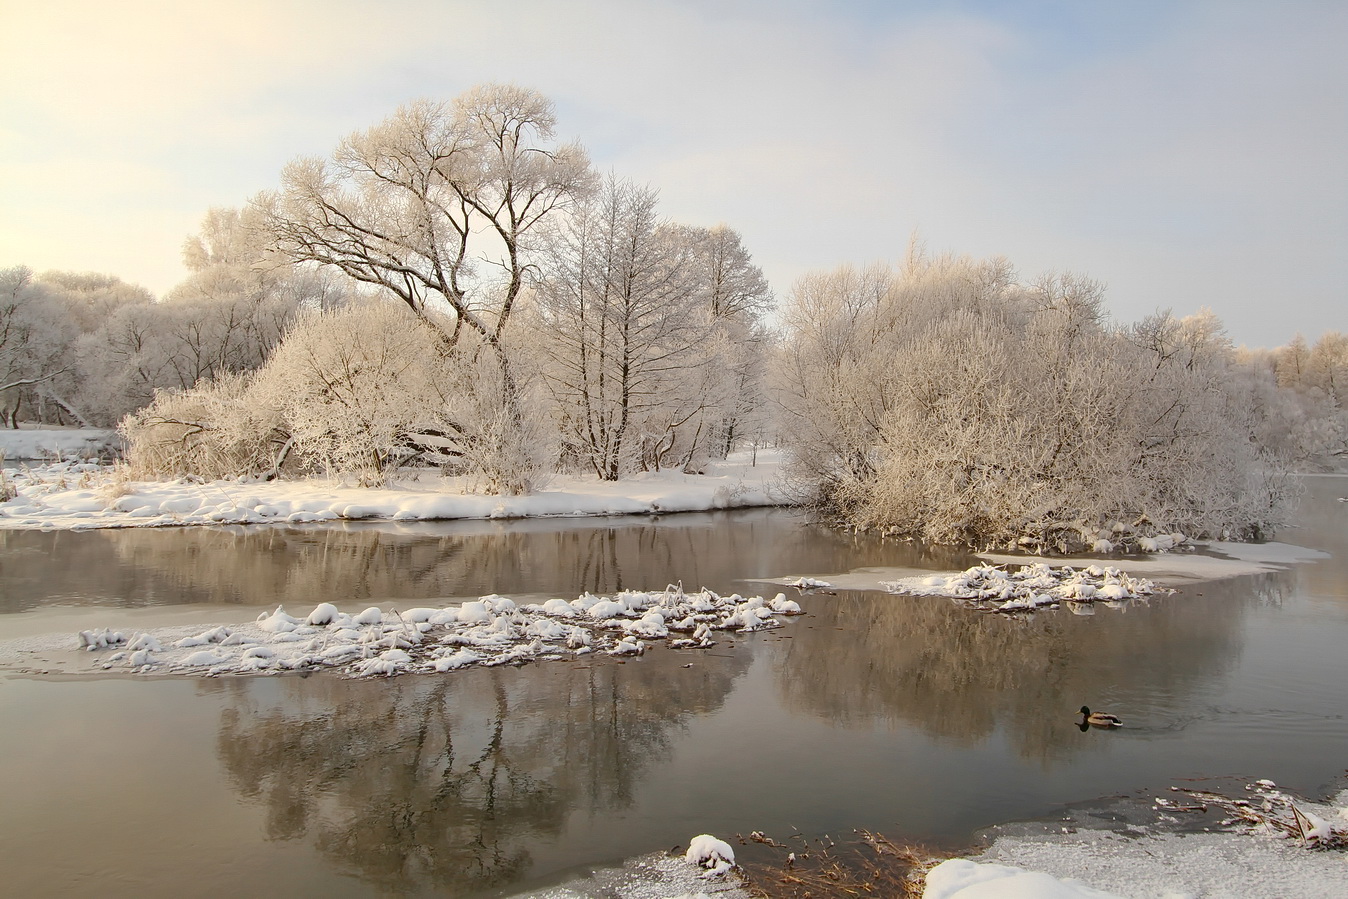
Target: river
904, 715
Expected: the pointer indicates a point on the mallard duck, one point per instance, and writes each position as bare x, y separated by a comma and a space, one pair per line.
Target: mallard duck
1099, 719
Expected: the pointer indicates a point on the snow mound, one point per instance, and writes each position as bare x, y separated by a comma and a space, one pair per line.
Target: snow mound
808, 583
994, 588
489, 631
706, 851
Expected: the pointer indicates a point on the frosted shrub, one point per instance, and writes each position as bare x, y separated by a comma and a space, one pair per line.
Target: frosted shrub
504, 446
350, 385
950, 404
211, 431
350, 392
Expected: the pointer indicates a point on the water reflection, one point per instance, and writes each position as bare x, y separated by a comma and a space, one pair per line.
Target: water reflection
302, 566
445, 782
959, 675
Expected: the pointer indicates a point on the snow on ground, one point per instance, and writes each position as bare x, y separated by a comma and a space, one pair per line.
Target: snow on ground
1268, 844
655, 876
1200, 865
959, 878
81, 495
489, 631
54, 444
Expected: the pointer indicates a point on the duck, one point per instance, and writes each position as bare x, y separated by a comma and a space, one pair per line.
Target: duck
1099, 719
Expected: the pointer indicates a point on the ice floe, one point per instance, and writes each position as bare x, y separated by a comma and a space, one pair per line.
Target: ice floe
994, 588
492, 630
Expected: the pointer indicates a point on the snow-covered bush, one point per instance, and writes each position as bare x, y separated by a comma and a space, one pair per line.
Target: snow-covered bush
211, 431
351, 391
949, 403
351, 385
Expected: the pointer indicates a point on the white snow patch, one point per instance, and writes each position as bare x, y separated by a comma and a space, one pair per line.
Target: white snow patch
959, 878
1206, 564
1031, 586
1210, 865
706, 851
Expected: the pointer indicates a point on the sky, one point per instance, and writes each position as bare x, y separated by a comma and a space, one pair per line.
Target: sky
1185, 153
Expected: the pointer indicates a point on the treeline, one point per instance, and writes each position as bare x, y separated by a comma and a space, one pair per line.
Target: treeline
947, 401
88, 349
458, 287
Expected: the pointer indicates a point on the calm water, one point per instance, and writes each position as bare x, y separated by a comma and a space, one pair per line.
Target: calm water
899, 714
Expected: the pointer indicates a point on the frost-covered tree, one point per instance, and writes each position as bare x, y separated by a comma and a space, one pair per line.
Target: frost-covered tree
31, 340
834, 373
353, 391
226, 317
1313, 423
436, 206
338, 396
738, 297
628, 334
947, 401
41, 320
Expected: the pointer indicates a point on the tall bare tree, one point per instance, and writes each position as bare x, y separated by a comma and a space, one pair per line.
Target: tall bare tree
625, 328
435, 205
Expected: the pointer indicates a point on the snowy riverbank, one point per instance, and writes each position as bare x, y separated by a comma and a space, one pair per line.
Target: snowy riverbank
77, 495
1251, 847
46, 445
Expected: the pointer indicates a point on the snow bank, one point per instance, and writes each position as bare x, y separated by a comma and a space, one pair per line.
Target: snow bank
1211, 865
992, 588
959, 878
57, 443
1268, 844
490, 631
82, 495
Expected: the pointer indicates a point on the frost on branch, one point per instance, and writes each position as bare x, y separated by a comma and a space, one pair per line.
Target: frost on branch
353, 391
950, 403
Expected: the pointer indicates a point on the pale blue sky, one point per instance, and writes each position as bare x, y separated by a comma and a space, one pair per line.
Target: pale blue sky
1185, 153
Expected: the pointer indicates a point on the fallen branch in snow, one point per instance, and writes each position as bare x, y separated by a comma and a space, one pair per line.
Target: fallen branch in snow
488, 631
1270, 811
992, 588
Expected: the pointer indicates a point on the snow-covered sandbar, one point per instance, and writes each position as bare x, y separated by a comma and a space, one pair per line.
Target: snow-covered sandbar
489, 631
79, 495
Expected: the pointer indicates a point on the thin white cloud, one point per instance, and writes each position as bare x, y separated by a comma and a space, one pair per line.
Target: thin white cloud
1187, 155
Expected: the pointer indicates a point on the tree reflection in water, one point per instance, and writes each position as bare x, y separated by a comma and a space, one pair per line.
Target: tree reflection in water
445, 781
386, 561
959, 675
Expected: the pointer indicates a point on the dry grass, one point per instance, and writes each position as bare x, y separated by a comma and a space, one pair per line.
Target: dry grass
866, 864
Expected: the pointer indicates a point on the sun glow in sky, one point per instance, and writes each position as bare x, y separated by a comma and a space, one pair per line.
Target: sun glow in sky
1187, 154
